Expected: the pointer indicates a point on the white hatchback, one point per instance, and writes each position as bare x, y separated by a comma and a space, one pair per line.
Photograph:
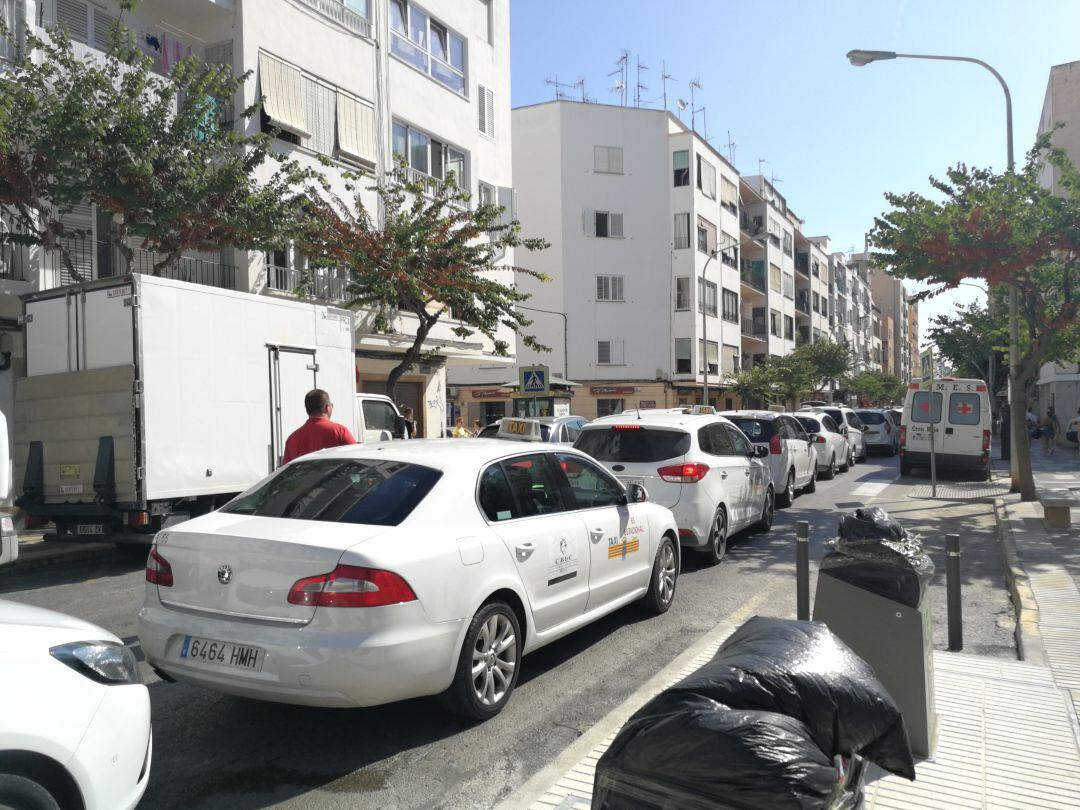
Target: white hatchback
848, 422
829, 442
879, 432
698, 465
791, 459
75, 722
363, 575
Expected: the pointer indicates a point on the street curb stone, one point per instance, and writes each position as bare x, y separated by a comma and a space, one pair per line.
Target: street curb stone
1029, 641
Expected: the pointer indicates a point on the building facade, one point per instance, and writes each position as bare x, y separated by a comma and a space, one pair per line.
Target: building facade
891, 297
348, 86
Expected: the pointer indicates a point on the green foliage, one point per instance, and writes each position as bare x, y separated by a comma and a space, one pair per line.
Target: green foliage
827, 361
876, 388
754, 384
968, 338
432, 255
162, 155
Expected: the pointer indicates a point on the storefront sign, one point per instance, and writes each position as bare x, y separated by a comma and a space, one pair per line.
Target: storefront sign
611, 390
647, 403
490, 393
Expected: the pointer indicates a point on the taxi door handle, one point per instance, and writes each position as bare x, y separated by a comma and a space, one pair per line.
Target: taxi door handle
746, 471
525, 550
723, 473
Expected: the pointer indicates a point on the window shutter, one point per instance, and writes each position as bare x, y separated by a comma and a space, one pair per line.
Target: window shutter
103, 28
489, 116
600, 159
616, 352
617, 288
75, 16
603, 352
615, 162
508, 201
588, 221
355, 128
615, 225
283, 97
320, 106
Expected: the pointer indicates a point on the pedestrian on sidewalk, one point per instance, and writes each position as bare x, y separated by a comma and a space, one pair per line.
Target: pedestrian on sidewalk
1049, 428
477, 426
460, 431
318, 432
410, 423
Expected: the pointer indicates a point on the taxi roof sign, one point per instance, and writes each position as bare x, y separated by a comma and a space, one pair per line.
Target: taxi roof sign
519, 430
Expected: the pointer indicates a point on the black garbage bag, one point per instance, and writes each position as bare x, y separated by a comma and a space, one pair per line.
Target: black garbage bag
875, 553
802, 670
870, 523
683, 751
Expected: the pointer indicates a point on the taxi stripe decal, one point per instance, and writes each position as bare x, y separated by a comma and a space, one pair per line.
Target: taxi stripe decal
622, 549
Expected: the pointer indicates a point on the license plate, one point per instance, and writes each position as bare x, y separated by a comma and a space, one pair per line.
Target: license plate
222, 653
90, 528
631, 481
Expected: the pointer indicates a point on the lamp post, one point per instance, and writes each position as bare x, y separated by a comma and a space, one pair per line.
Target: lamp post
861, 58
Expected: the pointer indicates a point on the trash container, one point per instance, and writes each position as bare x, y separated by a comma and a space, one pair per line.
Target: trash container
872, 592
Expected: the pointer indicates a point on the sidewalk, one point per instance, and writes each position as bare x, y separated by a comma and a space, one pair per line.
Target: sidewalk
1008, 734
35, 551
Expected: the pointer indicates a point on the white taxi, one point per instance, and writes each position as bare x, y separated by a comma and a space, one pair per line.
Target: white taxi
357, 576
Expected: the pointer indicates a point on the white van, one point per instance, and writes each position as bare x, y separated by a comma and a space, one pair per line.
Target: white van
959, 413
378, 419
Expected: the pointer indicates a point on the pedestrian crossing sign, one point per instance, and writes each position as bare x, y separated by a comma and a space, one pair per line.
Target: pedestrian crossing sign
534, 381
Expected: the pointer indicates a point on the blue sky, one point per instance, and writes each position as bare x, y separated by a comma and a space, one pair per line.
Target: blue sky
774, 74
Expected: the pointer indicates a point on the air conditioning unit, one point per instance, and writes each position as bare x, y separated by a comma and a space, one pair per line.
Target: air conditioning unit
660, 374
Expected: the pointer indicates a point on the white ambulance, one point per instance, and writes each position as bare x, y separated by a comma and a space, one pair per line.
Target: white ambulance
958, 411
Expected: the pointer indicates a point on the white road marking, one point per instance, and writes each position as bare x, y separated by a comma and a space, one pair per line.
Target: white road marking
870, 489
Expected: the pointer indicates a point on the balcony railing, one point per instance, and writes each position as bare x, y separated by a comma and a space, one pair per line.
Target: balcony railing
340, 13
802, 302
752, 275
186, 268
753, 327
803, 336
319, 284
802, 264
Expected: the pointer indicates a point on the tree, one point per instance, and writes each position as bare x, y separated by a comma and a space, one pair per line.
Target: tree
969, 338
876, 387
753, 385
1003, 229
150, 150
827, 361
432, 255
791, 378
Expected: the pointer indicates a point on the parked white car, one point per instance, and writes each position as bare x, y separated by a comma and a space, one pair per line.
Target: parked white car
75, 718
830, 444
792, 461
849, 424
355, 577
879, 431
698, 465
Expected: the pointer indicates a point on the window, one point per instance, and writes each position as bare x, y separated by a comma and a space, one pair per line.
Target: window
731, 306
641, 446
789, 285
605, 407
486, 111
707, 296
494, 495
706, 236
428, 155
377, 493
609, 352
729, 195
609, 288
817, 303
682, 231
427, 45
774, 278
706, 178
787, 242
682, 356
789, 327
714, 356
603, 224
534, 487
680, 162
607, 159
714, 440
682, 293
379, 415
774, 322
964, 409
739, 444
729, 253
591, 486
487, 194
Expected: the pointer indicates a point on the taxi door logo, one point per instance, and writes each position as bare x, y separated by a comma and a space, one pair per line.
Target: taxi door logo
564, 562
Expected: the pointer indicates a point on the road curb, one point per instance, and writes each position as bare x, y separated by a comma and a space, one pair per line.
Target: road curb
52, 556
1029, 641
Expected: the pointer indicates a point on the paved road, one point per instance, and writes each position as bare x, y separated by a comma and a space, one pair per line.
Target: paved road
215, 751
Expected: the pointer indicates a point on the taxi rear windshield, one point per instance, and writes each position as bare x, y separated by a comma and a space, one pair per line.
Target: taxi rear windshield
633, 443
756, 430
809, 425
377, 493
871, 417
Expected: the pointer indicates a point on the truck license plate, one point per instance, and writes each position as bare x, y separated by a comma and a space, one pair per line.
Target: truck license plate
222, 653
90, 528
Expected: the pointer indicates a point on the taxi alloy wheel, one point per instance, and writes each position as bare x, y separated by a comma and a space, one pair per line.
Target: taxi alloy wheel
787, 497
487, 670
831, 472
767, 512
717, 547
665, 575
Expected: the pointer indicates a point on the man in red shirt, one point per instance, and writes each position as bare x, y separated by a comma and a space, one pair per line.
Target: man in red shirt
318, 432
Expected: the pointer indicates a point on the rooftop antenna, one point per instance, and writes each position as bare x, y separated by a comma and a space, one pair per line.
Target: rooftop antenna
584, 93
639, 86
730, 148
774, 179
621, 65
681, 105
695, 84
560, 87
704, 122
665, 77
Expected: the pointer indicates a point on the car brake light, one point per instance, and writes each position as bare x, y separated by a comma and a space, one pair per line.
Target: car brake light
775, 446
683, 473
903, 435
351, 586
819, 439
626, 427
986, 440
158, 570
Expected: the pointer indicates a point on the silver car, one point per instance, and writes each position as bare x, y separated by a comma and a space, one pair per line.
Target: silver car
554, 429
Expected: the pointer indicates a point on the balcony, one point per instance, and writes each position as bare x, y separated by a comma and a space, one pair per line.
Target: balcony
338, 11
802, 264
186, 268
802, 302
318, 284
754, 327
752, 273
730, 206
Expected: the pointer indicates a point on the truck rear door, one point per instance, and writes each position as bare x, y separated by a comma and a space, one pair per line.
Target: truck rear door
293, 372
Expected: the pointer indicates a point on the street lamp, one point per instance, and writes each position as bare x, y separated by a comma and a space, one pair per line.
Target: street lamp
861, 58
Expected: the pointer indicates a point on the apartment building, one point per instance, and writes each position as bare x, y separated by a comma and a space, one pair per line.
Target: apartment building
913, 338
352, 83
1059, 384
891, 297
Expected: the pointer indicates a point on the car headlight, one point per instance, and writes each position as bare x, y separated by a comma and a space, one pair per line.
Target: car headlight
101, 661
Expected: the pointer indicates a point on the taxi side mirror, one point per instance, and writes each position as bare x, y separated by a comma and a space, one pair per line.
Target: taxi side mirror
636, 493
760, 451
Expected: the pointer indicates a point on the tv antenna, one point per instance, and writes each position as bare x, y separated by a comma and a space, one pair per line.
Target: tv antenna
730, 148
580, 83
639, 86
695, 84
665, 77
621, 67
560, 87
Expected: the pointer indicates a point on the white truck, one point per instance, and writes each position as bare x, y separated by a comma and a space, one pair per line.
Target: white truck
147, 401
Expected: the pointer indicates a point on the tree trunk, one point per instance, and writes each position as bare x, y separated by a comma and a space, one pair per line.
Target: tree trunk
1024, 481
412, 354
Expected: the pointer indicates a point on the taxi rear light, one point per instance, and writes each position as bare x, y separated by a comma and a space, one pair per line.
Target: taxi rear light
913, 386
158, 570
688, 534
683, 473
819, 439
986, 441
351, 586
776, 447
626, 427
903, 435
